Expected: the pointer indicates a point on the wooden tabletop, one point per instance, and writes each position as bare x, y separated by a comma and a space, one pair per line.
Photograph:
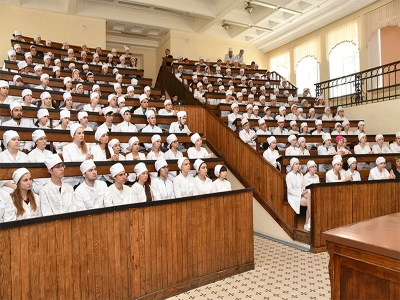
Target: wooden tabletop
378, 235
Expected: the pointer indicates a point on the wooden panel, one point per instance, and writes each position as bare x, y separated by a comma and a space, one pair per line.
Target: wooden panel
253, 168
338, 204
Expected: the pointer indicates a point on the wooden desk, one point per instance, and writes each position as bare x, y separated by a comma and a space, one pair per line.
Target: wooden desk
365, 259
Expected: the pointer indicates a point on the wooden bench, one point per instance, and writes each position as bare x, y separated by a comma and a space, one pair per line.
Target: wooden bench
54, 114
83, 98
274, 109
279, 99
11, 65
273, 123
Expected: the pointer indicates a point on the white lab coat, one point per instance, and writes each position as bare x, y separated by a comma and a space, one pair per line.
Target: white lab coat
120, 198
53, 201
11, 211
203, 187
222, 185
87, 197
183, 186
162, 189
294, 185
193, 153
374, 174
6, 208
138, 193
272, 156
331, 177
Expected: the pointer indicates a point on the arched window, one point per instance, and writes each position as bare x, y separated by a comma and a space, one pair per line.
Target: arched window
307, 74
281, 65
344, 59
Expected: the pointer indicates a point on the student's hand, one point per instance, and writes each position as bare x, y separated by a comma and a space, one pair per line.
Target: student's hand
349, 179
89, 156
100, 112
188, 132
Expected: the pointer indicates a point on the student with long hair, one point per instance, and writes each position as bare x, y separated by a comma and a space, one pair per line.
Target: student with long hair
141, 190
26, 204
337, 174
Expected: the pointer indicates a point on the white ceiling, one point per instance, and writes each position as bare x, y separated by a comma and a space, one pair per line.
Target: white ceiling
143, 23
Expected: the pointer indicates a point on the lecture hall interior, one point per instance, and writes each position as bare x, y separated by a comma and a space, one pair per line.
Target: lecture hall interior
265, 237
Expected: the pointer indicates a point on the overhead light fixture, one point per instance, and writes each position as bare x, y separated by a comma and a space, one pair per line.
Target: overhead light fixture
235, 23
225, 26
249, 8
272, 6
261, 28
290, 11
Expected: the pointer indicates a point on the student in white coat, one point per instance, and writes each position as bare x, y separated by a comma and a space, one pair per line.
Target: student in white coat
247, 135
126, 126
292, 150
380, 172
221, 183
395, 146
65, 117
141, 191
198, 151
11, 140
337, 174
77, 150
326, 149
233, 116
24, 203
352, 170
56, 197
119, 192
134, 146
161, 187
151, 126
91, 193
184, 182
298, 196
39, 154
203, 184
271, 154
5, 206
362, 148
380, 147
311, 177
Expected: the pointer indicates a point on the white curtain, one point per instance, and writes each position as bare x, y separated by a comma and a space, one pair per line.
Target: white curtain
309, 48
386, 15
282, 60
345, 33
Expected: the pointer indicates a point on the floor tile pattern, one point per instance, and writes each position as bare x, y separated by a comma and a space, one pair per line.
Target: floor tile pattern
281, 272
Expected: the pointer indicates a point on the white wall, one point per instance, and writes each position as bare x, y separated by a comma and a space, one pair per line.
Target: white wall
53, 26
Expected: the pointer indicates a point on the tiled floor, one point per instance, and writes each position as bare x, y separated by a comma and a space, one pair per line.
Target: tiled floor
281, 272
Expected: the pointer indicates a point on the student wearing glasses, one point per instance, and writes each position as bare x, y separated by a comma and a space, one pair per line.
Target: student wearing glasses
161, 187
56, 197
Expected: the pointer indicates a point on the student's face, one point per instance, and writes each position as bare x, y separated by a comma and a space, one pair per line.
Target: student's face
353, 165
117, 148
57, 171
25, 182
183, 120
104, 138
185, 166
223, 175
16, 113
246, 127
293, 142
41, 142
91, 174
312, 169
203, 169
33, 51
127, 116
397, 140
120, 178
303, 143
109, 118
144, 104
380, 141
164, 172
328, 142
381, 166
273, 145
65, 121
296, 166
80, 89
263, 126
90, 78
152, 120
143, 177
79, 135
29, 60
83, 121
135, 147
337, 166
43, 120
199, 142
157, 144
281, 124
363, 139
14, 143
340, 142
398, 163
47, 101
28, 98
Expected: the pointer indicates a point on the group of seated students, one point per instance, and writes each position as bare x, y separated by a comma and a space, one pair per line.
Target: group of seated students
296, 183
126, 60
57, 196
